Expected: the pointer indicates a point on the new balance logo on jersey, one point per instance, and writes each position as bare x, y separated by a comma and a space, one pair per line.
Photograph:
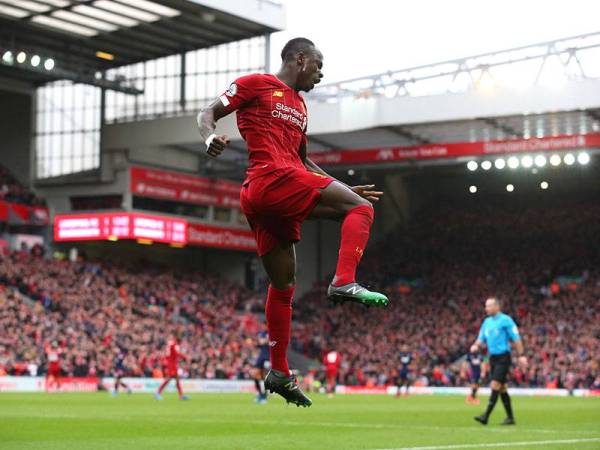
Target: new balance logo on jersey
277, 93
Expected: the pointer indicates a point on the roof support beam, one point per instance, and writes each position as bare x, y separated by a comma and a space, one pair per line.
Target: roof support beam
502, 127
406, 134
322, 142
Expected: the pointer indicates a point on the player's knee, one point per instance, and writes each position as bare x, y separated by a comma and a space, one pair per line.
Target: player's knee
359, 201
355, 203
284, 282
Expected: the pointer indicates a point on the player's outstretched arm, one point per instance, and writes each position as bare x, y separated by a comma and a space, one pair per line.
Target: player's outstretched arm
207, 122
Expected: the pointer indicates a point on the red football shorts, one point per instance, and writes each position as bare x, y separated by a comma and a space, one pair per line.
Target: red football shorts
171, 371
53, 370
276, 204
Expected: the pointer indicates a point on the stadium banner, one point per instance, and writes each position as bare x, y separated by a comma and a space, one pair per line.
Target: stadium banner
38, 384
150, 385
22, 384
137, 385
19, 214
456, 150
114, 226
184, 188
230, 238
74, 384
443, 390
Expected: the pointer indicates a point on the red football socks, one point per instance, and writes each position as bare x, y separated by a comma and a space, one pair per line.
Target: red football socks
163, 385
355, 235
278, 312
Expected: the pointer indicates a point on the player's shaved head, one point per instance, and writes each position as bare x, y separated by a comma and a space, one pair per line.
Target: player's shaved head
295, 46
302, 63
492, 306
495, 300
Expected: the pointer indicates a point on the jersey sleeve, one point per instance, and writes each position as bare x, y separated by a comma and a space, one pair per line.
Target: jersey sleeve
512, 329
241, 92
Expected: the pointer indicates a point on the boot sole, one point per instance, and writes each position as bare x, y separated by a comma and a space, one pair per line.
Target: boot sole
298, 404
339, 299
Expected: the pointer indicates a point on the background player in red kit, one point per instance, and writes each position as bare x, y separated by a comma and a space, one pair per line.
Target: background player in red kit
53, 352
173, 357
332, 361
283, 188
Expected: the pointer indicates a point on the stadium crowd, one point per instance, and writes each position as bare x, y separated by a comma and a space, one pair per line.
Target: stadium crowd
11, 190
541, 262
94, 311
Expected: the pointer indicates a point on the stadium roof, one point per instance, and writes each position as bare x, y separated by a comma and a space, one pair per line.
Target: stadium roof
85, 36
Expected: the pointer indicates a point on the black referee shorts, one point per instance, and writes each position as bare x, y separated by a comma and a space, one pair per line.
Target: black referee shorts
500, 366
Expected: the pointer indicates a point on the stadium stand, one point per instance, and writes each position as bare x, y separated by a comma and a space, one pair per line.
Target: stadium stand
11, 190
540, 260
93, 309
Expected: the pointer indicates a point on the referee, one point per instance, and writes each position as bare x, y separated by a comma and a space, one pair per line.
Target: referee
497, 332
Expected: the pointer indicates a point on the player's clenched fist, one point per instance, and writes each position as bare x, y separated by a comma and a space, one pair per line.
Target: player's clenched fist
216, 145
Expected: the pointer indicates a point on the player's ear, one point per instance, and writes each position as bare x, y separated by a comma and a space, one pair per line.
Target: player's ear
301, 58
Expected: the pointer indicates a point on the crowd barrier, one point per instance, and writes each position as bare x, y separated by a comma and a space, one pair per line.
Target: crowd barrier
432, 390
141, 385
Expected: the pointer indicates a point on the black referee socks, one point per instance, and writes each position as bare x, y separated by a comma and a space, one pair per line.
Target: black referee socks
507, 406
492, 403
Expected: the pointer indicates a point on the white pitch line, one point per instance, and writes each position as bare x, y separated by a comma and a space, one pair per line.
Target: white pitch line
497, 444
368, 426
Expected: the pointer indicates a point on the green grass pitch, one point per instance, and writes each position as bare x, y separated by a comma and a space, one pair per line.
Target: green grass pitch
232, 421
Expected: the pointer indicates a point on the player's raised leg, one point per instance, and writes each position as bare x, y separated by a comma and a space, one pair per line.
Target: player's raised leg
340, 202
280, 264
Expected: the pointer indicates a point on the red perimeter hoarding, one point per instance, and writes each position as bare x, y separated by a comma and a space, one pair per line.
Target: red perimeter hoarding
180, 187
456, 150
97, 227
210, 236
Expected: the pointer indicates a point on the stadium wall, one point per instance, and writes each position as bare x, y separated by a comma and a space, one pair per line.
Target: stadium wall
15, 134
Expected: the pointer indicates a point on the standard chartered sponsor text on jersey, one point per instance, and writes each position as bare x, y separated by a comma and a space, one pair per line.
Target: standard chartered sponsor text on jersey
290, 114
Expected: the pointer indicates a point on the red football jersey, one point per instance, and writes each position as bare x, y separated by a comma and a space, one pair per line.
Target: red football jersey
332, 360
173, 353
271, 118
53, 355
